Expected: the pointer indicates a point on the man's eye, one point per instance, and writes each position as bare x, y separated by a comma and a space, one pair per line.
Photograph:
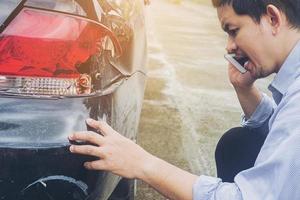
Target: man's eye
233, 32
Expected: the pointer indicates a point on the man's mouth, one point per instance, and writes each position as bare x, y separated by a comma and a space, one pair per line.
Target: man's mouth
243, 60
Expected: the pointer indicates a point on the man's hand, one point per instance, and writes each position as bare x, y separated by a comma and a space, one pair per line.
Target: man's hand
116, 153
123, 157
239, 80
249, 96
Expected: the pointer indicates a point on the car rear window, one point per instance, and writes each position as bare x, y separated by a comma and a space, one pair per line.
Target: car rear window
68, 6
6, 8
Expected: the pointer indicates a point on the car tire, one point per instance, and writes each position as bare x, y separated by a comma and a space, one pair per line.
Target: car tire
125, 190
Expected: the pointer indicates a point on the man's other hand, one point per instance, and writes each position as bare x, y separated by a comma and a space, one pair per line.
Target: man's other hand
116, 153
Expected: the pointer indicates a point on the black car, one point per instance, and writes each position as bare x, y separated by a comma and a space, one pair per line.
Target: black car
62, 61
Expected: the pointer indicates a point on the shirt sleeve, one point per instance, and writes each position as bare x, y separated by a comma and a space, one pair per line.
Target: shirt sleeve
210, 188
262, 113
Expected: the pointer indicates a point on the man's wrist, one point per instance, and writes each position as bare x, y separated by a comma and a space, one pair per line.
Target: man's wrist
244, 89
148, 166
249, 98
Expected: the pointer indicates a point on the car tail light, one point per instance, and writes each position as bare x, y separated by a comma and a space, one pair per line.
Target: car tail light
41, 51
45, 86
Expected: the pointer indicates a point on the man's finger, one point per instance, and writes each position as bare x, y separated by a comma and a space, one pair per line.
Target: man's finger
88, 136
87, 150
95, 165
102, 126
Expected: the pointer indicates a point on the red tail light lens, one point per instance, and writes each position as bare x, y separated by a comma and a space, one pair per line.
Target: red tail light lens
46, 44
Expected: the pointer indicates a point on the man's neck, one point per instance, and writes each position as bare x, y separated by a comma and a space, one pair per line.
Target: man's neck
289, 41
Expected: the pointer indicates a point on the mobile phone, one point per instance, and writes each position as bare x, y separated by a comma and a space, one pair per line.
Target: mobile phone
237, 63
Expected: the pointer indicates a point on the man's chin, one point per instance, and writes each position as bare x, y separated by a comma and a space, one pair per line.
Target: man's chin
257, 75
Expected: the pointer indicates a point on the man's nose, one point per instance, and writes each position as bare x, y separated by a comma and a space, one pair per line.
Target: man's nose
231, 45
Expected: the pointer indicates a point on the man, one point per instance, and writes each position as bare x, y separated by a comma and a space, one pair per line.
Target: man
267, 33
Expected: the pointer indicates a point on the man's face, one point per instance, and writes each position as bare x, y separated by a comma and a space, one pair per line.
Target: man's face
250, 39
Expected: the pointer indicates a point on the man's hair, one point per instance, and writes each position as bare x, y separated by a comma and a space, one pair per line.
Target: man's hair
257, 8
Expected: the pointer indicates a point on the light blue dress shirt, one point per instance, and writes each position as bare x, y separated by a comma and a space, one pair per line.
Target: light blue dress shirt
276, 172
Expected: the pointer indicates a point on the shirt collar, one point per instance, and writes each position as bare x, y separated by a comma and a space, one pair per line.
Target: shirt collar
286, 75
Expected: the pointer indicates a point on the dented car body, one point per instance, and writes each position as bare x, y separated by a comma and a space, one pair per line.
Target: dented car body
62, 61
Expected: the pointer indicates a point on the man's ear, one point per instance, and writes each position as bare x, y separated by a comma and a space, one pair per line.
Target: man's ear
275, 18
